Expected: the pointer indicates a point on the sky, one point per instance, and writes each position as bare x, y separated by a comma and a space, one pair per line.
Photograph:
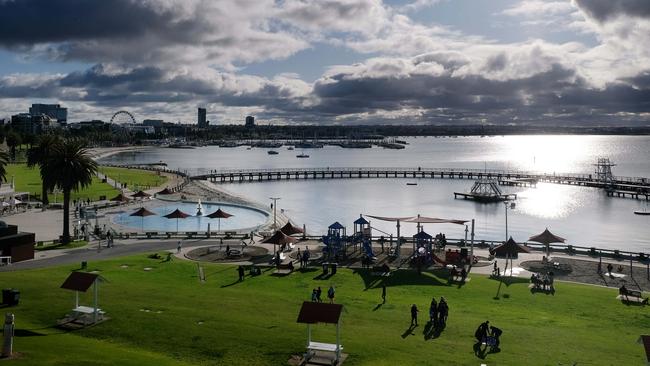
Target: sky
344, 62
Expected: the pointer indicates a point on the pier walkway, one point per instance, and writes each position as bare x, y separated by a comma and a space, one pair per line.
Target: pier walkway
634, 187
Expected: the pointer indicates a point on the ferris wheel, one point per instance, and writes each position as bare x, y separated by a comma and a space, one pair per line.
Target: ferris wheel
123, 117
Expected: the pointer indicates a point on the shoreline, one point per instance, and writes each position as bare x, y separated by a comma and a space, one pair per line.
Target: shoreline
98, 153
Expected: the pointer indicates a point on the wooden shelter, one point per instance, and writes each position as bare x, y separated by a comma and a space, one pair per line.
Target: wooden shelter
81, 282
318, 312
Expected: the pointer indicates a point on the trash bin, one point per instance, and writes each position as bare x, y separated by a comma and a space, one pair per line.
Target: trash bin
10, 297
333, 268
84, 265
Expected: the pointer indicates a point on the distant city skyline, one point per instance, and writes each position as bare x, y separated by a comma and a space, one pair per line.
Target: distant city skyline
561, 62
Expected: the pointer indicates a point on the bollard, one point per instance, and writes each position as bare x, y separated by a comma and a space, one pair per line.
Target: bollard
7, 345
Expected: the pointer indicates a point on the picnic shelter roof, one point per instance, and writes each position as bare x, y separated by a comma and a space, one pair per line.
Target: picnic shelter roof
318, 312
79, 281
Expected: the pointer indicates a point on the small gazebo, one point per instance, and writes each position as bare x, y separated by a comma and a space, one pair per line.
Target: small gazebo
336, 229
509, 250
81, 282
318, 312
422, 239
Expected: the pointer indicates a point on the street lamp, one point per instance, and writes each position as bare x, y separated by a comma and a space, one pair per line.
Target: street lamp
508, 205
275, 206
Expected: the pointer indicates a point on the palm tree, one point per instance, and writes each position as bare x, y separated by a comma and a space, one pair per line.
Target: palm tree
4, 159
69, 167
37, 156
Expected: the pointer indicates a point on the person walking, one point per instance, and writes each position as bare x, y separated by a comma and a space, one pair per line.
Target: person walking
414, 315
240, 269
443, 312
313, 296
383, 293
330, 294
318, 294
433, 312
179, 247
299, 256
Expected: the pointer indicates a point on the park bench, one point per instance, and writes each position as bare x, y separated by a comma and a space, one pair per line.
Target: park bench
312, 347
284, 269
190, 234
151, 234
5, 260
632, 296
383, 271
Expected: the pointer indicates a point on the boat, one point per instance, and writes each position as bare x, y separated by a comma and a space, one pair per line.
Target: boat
302, 155
411, 184
290, 148
272, 152
642, 212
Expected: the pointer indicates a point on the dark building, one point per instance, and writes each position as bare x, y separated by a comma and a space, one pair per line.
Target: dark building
19, 246
203, 121
250, 121
54, 111
33, 123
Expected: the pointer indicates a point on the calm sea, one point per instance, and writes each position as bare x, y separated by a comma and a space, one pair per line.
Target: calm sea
584, 216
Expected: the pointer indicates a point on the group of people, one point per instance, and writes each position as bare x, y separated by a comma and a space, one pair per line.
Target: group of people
303, 257
316, 294
438, 312
542, 281
488, 335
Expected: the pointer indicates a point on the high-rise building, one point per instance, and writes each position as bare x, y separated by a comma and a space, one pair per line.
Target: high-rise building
203, 122
250, 121
54, 111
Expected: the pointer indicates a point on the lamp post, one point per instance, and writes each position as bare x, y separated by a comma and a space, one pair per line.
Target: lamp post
508, 205
275, 206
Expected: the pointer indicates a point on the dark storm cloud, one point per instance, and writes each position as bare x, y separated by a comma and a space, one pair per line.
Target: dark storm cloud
27, 22
607, 9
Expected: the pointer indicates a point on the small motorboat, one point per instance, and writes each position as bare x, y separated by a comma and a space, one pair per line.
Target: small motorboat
642, 212
411, 184
272, 152
302, 156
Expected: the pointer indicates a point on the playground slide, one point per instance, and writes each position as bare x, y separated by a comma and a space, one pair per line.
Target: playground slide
368, 249
437, 259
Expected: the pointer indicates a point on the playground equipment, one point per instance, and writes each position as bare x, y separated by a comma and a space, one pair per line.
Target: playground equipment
334, 241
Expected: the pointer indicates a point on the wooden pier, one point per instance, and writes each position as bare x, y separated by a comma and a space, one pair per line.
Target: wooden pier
522, 182
640, 186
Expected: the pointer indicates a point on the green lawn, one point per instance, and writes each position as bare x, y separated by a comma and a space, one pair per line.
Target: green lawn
134, 178
29, 180
223, 322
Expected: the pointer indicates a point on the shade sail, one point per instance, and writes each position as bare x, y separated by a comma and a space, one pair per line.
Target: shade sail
510, 249
547, 237
280, 238
289, 229
393, 219
140, 194
165, 191
336, 226
420, 220
177, 214
434, 220
142, 212
120, 198
219, 214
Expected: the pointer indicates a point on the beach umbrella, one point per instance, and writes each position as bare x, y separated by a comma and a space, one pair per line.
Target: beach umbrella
142, 212
510, 250
177, 214
120, 198
546, 237
289, 229
140, 194
279, 238
219, 214
165, 191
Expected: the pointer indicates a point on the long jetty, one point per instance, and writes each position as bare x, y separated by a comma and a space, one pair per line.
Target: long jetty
634, 187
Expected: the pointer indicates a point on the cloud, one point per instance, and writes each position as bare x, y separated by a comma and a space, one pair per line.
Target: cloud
537, 8
604, 10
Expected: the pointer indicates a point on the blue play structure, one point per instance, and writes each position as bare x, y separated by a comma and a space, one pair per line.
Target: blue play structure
334, 241
367, 248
